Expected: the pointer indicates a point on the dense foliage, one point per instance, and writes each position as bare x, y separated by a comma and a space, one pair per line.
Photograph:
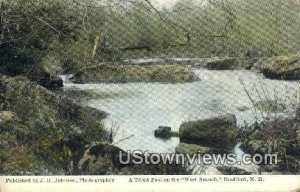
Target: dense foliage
70, 34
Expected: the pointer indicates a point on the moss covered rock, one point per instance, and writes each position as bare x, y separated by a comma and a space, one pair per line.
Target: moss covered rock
281, 67
219, 132
114, 73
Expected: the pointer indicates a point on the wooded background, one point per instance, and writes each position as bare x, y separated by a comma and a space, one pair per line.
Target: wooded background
63, 35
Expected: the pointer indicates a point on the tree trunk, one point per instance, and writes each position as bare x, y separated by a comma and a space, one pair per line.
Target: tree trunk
95, 46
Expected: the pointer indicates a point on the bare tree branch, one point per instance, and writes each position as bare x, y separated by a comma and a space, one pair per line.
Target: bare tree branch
188, 35
49, 25
231, 17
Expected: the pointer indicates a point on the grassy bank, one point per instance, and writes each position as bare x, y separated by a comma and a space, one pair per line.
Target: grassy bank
113, 73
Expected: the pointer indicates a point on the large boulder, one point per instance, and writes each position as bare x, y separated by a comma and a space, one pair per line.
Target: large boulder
281, 67
218, 132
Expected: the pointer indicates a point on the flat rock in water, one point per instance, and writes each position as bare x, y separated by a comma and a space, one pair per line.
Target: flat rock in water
221, 64
117, 73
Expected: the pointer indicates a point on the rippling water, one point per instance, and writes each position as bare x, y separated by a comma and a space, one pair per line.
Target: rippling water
139, 108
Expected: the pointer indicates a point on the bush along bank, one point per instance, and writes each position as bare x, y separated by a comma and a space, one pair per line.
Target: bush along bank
37, 126
279, 136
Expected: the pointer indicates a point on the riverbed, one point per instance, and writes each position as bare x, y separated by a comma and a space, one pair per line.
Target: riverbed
137, 109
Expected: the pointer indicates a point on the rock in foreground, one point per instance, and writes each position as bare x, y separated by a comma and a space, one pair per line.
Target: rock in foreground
219, 132
104, 159
113, 73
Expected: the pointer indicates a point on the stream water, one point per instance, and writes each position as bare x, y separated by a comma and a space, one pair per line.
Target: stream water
139, 108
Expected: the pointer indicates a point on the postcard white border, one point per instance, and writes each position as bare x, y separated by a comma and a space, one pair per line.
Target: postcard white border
193, 183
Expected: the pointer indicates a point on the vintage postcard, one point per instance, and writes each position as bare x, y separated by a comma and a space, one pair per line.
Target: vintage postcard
150, 95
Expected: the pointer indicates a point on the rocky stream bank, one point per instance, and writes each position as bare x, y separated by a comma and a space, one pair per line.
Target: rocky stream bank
44, 133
